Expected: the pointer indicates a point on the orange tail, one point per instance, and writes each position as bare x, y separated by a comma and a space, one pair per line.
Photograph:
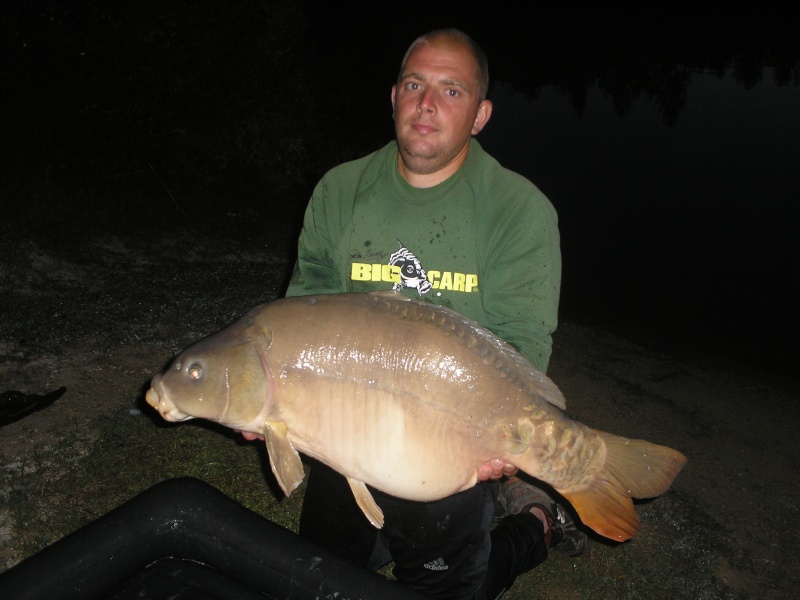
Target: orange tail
632, 469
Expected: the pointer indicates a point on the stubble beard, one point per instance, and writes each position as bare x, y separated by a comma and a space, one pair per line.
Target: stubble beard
426, 160
420, 165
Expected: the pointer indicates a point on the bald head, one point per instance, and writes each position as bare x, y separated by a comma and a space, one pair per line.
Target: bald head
454, 39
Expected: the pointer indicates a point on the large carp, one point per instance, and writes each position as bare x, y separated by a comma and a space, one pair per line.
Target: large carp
407, 397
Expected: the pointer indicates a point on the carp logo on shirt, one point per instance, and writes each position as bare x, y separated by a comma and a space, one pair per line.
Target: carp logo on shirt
412, 275
404, 271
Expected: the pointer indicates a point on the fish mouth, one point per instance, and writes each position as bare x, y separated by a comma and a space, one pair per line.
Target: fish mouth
157, 397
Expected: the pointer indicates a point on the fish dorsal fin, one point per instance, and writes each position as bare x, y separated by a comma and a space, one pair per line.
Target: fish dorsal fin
283, 458
366, 502
507, 362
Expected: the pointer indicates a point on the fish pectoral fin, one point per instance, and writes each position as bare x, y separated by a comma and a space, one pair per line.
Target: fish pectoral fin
284, 460
366, 502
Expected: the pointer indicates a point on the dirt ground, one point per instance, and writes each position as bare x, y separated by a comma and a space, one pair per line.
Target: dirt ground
101, 313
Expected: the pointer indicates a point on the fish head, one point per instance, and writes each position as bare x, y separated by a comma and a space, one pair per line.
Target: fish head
222, 378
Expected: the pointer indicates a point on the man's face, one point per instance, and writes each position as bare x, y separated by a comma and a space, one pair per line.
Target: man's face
437, 109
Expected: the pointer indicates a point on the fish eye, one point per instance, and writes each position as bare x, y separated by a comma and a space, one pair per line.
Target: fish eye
195, 371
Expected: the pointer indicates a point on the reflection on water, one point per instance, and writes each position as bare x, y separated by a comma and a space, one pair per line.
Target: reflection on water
681, 224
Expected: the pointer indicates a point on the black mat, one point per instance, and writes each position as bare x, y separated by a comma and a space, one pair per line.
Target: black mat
184, 539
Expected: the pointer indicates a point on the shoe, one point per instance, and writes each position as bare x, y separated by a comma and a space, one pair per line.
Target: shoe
517, 496
571, 541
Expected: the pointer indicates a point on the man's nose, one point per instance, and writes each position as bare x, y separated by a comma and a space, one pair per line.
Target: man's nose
427, 101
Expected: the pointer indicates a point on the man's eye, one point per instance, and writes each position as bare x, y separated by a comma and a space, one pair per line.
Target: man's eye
453, 93
412, 86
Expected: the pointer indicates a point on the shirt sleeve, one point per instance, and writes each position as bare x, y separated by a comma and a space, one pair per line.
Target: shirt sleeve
315, 271
522, 278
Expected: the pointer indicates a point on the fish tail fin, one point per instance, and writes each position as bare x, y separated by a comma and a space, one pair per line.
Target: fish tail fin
632, 469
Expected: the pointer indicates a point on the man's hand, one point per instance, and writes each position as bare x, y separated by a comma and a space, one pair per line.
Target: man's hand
495, 469
250, 436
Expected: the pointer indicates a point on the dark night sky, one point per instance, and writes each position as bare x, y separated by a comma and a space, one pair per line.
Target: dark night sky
668, 143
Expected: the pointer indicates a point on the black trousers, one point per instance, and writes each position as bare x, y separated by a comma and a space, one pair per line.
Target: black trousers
444, 549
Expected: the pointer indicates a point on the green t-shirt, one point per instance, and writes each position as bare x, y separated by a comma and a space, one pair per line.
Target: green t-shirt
484, 242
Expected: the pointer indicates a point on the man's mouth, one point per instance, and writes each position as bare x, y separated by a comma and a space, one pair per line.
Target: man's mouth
423, 128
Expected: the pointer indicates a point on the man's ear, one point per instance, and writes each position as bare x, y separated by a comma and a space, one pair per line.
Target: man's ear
482, 117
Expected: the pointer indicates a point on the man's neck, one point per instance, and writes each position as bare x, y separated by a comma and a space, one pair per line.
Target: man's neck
428, 180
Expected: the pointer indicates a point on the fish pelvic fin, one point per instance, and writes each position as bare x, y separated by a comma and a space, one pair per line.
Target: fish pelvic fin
632, 469
284, 460
366, 502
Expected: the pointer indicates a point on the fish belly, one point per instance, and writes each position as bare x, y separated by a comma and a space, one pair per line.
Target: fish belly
390, 439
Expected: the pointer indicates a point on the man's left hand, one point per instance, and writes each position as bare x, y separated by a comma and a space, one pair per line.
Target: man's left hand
495, 469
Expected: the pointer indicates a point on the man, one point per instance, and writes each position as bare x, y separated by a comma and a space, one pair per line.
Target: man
433, 216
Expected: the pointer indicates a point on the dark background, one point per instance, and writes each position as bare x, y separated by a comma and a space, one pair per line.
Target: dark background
141, 116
